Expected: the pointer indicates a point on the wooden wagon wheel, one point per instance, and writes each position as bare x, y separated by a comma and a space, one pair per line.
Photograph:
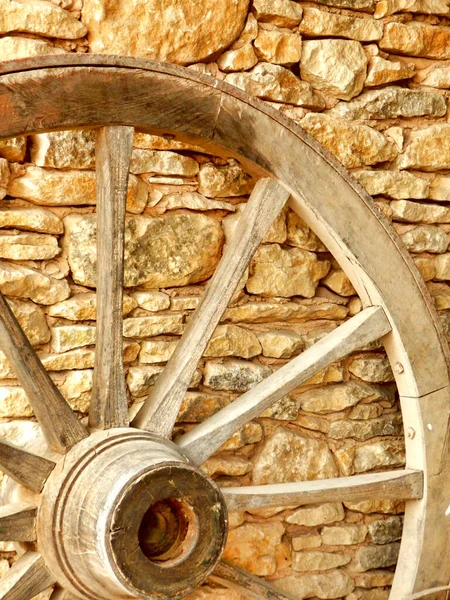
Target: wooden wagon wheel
126, 513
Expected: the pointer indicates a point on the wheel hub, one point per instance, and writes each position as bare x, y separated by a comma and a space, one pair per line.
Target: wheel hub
130, 517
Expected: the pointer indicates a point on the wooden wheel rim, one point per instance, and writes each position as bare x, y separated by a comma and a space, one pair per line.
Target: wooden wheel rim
168, 100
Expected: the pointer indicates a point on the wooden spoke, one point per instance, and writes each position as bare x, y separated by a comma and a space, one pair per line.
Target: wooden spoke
248, 585
27, 469
205, 439
18, 522
161, 408
59, 423
27, 578
390, 485
109, 407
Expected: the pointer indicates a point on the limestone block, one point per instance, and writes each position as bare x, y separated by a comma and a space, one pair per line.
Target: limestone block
234, 375
387, 530
377, 506
231, 340
141, 327
276, 234
283, 13
426, 238
248, 34
417, 39
437, 76
390, 103
68, 188
416, 212
288, 456
426, 266
375, 578
177, 31
319, 23
141, 379
301, 236
364, 430
239, 59
362, 594
442, 264
68, 337
15, 47
338, 282
151, 301
39, 17
162, 162
64, 149
20, 433
374, 368
281, 343
83, 307
432, 7
336, 67
276, 83
440, 293
382, 71
32, 320
334, 398
395, 184
13, 149
251, 433
222, 181
427, 149
363, 5
31, 219
253, 547
335, 584
376, 557
193, 201
386, 453
302, 541
278, 272
278, 46
16, 245
184, 302
232, 466
174, 249
318, 561
353, 145
344, 535
24, 282
198, 406
156, 351
263, 312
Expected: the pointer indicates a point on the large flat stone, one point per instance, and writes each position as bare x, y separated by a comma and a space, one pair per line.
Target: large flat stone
266, 312
16, 245
31, 219
427, 149
283, 13
83, 307
39, 17
395, 184
15, 47
172, 250
417, 39
335, 584
318, 23
234, 375
23, 282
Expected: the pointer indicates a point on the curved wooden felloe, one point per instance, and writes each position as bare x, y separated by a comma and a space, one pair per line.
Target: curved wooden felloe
73, 91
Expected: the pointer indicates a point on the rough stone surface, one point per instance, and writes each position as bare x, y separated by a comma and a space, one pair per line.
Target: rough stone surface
276, 83
25, 282
387, 453
39, 17
32, 320
281, 343
425, 238
416, 212
14, 47
14, 149
262, 312
172, 250
344, 535
222, 181
68, 337
141, 327
335, 584
182, 32
278, 272
337, 67
283, 13
152, 301
301, 541
390, 7
234, 375
353, 145
278, 46
427, 149
240, 59
377, 506
319, 23
375, 578
333, 398
198, 406
417, 39
288, 456
73, 187
382, 71
318, 561
64, 149
364, 430
230, 340
390, 103
387, 530
437, 76
162, 162
31, 219
16, 245
156, 351
233, 466
254, 547
338, 282
301, 236
374, 368
83, 307
373, 557
395, 184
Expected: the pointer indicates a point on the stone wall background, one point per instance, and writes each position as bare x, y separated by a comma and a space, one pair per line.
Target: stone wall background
370, 81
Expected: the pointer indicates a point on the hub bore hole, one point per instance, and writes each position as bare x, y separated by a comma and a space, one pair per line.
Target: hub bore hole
168, 532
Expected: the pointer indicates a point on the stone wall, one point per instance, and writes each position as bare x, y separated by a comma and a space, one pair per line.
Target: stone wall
369, 81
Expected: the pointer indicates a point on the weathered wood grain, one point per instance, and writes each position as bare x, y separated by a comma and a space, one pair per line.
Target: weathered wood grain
161, 408
202, 441
109, 406
27, 578
59, 423
242, 582
27, 469
390, 485
18, 522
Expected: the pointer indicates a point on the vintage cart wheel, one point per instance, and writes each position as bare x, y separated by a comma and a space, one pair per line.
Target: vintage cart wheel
118, 510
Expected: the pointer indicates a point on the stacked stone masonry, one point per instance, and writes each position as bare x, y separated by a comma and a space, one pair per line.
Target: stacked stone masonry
370, 81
